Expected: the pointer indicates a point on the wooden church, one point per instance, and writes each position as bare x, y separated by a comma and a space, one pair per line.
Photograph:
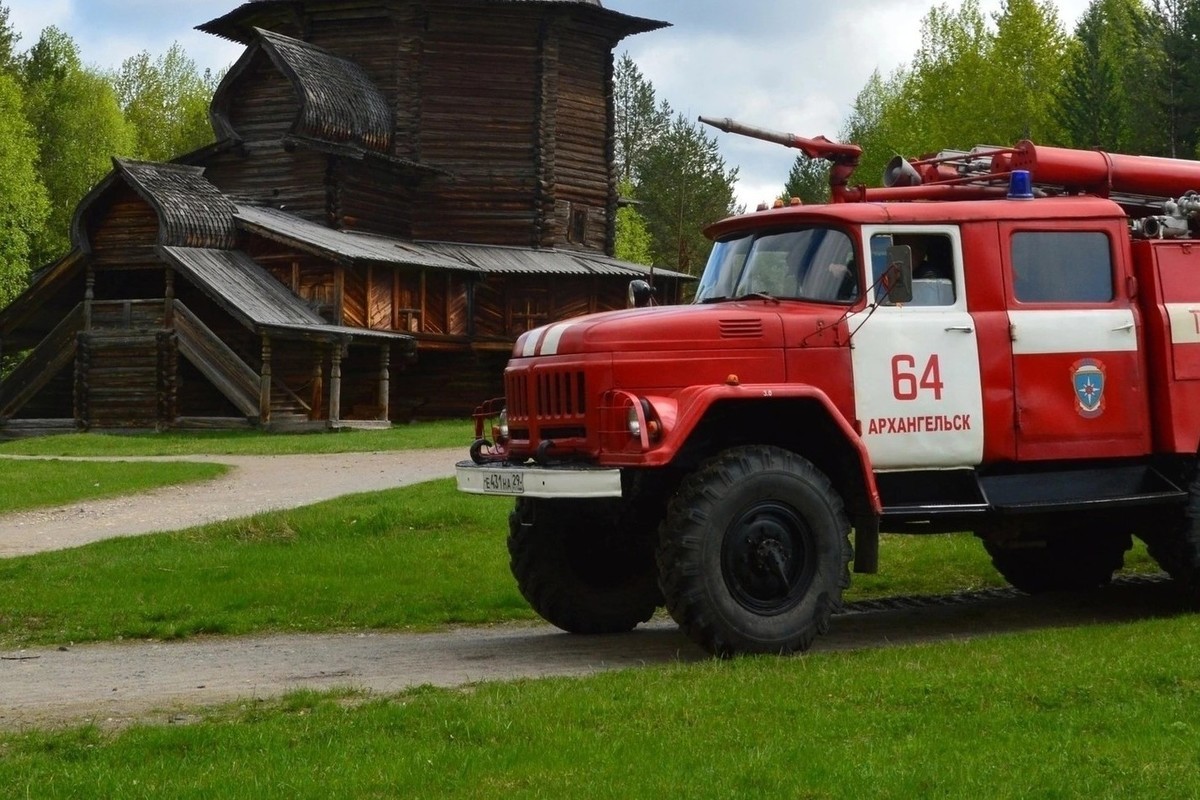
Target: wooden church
397, 190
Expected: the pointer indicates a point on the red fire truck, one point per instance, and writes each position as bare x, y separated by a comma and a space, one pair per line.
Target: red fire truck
1004, 341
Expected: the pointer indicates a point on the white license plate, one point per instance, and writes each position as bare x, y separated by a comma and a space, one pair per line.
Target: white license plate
504, 482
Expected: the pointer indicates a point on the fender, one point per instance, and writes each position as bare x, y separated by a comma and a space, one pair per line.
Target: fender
679, 415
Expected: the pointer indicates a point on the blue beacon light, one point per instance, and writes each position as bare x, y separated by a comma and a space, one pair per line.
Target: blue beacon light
1020, 185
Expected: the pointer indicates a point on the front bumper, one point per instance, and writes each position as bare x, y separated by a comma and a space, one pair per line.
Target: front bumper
530, 481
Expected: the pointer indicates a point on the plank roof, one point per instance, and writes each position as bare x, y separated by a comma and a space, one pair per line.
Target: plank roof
340, 245
353, 246
256, 299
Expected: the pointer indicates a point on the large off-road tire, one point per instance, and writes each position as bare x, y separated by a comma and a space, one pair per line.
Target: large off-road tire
1068, 561
1177, 548
582, 566
754, 551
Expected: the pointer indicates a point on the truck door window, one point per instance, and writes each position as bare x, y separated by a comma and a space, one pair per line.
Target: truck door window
933, 266
1061, 267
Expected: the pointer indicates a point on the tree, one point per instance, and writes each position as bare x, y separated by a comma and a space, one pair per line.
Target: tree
684, 186
78, 127
1110, 64
1177, 97
166, 102
8, 42
968, 84
633, 237
638, 120
808, 180
23, 205
1026, 59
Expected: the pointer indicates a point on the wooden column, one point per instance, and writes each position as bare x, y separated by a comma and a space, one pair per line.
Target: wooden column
316, 404
264, 384
335, 385
385, 356
89, 294
169, 301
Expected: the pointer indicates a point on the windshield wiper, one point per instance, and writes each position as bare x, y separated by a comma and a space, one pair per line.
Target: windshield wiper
718, 299
759, 296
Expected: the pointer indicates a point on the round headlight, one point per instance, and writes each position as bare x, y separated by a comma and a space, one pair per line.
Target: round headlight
633, 423
503, 423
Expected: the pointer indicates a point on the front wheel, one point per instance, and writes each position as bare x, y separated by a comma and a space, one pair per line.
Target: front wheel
582, 566
754, 552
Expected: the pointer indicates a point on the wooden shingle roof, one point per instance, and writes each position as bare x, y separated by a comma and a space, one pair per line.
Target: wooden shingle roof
238, 24
338, 102
191, 211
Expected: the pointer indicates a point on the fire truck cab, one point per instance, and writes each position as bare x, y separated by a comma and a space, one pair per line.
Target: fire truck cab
1004, 341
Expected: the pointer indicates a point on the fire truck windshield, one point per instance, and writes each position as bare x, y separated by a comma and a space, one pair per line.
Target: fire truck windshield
815, 264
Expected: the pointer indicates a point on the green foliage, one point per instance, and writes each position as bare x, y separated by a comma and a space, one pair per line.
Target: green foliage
808, 180
684, 186
674, 170
23, 203
639, 121
969, 83
8, 42
79, 129
633, 237
1109, 74
166, 101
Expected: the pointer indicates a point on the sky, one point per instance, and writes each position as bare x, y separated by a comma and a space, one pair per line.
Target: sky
787, 65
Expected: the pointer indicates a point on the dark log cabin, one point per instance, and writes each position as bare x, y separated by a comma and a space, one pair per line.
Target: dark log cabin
397, 190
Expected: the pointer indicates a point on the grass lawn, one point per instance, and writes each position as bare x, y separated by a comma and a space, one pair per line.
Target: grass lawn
36, 484
416, 557
447, 433
1090, 712
1094, 711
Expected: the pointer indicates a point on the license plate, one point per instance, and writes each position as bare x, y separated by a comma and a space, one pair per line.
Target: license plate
504, 482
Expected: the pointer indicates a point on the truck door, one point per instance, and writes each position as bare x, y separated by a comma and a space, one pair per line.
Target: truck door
916, 366
1078, 381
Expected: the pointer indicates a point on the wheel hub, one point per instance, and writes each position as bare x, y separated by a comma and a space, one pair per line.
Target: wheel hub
767, 557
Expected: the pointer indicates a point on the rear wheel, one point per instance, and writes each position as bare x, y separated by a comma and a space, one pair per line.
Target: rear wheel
1177, 548
1070, 561
754, 552
581, 566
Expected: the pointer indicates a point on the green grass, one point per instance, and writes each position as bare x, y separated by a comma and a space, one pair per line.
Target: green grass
1091, 712
414, 557
447, 433
417, 557
36, 484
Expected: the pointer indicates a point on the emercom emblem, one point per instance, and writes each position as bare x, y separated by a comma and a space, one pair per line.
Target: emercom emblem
1087, 376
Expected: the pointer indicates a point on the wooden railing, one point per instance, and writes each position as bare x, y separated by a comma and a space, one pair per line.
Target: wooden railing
217, 361
43, 362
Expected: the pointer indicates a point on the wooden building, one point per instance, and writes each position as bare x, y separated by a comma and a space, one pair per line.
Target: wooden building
397, 190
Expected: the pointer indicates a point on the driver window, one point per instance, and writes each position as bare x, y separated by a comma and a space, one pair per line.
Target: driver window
933, 266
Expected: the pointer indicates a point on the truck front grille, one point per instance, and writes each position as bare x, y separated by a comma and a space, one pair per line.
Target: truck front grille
548, 403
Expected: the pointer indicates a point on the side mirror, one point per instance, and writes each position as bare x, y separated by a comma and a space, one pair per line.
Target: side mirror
640, 294
897, 280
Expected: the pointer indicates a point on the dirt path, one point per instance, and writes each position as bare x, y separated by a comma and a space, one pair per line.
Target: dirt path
255, 484
115, 684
